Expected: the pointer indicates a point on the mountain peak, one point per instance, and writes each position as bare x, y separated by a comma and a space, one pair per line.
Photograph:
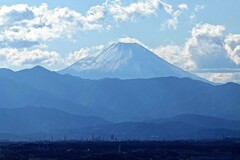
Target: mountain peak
125, 61
38, 67
127, 45
6, 70
35, 70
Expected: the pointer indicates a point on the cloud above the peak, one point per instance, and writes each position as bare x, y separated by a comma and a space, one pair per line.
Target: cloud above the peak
132, 40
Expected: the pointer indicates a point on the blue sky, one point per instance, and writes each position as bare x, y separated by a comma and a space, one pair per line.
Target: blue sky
199, 36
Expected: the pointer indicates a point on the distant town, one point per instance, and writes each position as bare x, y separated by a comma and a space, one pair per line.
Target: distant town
226, 149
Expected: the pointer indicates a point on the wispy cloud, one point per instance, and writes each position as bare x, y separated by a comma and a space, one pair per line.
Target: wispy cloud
199, 8
172, 23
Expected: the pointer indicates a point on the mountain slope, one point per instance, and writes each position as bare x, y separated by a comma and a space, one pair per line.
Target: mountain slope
17, 94
125, 61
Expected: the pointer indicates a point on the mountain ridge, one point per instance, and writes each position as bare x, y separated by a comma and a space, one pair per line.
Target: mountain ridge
124, 100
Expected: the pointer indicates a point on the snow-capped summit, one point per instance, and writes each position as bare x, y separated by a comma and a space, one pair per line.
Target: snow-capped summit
125, 61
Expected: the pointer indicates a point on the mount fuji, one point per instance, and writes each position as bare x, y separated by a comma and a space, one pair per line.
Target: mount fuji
125, 61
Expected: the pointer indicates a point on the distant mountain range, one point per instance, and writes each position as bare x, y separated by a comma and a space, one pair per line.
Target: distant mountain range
200, 121
51, 124
118, 100
125, 61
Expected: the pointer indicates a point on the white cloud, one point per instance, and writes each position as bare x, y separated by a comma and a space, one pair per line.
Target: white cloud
183, 6
39, 23
132, 40
14, 14
96, 13
77, 55
167, 7
24, 29
129, 40
23, 57
208, 30
82, 53
174, 55
34, 25
221, 77
205, 47
204, 53
134, 10
232, 46
209, 53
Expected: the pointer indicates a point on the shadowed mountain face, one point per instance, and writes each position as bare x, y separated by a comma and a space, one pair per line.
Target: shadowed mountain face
125, 61
118, 100
17, 94
32, 120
